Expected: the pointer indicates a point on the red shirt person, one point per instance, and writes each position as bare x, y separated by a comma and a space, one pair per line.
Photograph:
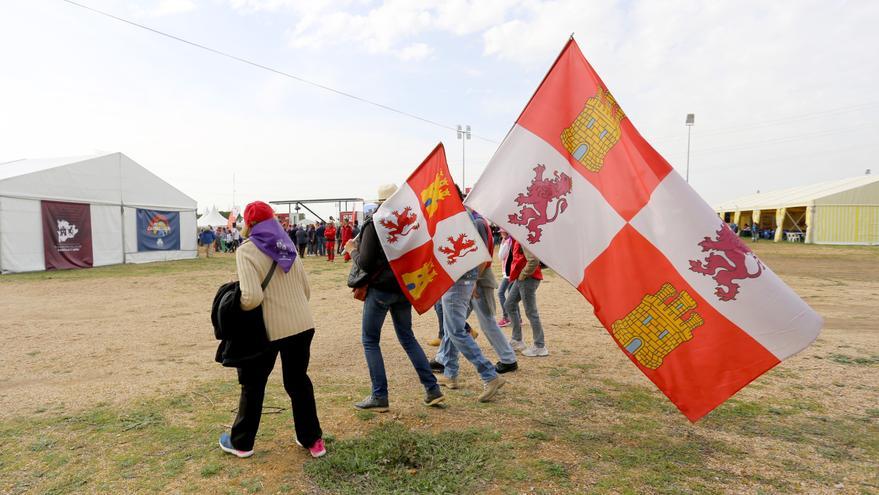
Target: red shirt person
347, 235
330, 236
525, 277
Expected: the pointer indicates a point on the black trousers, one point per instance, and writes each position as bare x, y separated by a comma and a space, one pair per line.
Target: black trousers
295, 352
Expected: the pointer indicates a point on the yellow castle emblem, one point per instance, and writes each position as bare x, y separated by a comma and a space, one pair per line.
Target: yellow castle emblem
595, 131
655, 328
437, 191
418, 280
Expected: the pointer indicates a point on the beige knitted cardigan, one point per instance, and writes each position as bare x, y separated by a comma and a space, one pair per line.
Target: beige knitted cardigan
285, 300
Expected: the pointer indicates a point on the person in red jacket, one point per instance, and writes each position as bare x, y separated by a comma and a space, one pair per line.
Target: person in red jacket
330, 236
525, 277
347, 235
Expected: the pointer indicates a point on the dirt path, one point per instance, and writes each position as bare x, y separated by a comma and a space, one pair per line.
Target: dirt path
71, 342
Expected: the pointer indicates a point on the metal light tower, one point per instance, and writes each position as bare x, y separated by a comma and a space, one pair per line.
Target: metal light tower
691, 119
464, 136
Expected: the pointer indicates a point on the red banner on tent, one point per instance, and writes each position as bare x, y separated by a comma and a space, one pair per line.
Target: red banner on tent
67, 235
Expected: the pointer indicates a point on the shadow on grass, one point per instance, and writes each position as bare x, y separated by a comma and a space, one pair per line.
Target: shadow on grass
395, 460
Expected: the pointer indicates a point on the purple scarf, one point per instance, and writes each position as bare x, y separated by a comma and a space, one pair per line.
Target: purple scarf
271, 239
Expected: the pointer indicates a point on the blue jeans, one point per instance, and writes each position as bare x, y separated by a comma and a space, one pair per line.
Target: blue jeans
456, 303
485, 309
485, 313
525, 291
377, 305
502, 296
438, 308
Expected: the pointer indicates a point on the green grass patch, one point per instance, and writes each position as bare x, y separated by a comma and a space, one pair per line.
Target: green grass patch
554, 469
537, 435
395, 460
800, 422
855, 361
218, 263
364, 415
143, 448
640, 452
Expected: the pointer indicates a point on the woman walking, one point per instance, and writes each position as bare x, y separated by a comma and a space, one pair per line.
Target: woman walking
269, 255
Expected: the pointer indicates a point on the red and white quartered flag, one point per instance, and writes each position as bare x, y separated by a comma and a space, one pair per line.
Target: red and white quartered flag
427, 234
679, 292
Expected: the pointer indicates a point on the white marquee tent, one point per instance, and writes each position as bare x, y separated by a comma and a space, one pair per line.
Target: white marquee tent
112, 185
212, 218
842, 211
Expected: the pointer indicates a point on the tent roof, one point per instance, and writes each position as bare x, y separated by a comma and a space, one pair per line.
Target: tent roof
213, 218
26, 166
796, 196
108, 178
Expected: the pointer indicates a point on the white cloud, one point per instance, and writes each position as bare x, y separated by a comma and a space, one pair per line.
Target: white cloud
379, 31
733, 63
390, 27
414, 52
171, 7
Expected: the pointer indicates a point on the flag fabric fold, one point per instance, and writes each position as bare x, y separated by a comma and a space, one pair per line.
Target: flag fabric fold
683, 297
427, 234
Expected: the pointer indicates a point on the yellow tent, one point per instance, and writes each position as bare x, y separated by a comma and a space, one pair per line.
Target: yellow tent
838, 212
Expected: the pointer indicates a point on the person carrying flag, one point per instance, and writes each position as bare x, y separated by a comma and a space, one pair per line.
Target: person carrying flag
384, 296
456, 304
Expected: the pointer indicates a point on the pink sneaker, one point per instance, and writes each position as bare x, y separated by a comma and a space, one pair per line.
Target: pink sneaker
318, 449
503, 322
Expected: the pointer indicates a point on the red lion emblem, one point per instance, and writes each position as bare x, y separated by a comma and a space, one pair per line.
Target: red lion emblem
405, 222
460, 248
536, 202
727, 267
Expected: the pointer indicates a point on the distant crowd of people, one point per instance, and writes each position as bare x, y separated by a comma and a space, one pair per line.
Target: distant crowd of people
324, 238
218, 240
752, 230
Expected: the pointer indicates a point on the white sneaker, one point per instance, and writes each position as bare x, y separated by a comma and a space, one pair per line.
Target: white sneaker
517, 345
535, 352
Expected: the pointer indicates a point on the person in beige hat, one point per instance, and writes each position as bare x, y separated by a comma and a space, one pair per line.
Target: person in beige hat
384, 296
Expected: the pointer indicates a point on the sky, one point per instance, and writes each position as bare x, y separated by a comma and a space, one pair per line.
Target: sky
783, 92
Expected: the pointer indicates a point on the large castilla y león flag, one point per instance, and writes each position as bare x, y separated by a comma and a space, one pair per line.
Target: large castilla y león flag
427, 234
679, 292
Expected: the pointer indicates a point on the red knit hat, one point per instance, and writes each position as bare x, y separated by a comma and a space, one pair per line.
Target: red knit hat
257, 212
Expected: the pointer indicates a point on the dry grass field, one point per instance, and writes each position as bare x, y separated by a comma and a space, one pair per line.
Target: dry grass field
108, 385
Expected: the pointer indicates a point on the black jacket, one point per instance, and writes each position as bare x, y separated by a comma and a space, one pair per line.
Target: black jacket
241, 333
372, 259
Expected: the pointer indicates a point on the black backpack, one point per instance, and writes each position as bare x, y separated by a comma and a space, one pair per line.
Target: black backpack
242, 333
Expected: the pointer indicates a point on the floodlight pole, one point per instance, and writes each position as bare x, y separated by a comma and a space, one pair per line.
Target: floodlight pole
691, 119
464, 136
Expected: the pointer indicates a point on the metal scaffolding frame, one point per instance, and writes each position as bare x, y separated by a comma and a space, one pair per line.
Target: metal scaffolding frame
301, 203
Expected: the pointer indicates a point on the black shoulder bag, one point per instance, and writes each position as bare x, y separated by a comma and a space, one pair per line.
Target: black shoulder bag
238, 330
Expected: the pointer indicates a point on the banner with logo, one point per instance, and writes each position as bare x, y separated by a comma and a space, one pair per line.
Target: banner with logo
67, 235
158, 230
689, 304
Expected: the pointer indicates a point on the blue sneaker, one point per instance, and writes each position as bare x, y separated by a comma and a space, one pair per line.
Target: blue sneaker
226, 445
